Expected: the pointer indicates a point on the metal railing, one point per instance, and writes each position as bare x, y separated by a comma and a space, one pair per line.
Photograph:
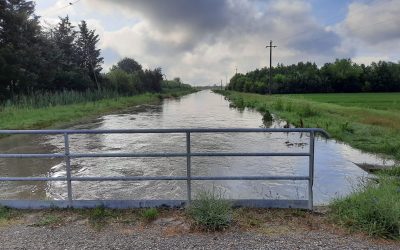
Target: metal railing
67, 155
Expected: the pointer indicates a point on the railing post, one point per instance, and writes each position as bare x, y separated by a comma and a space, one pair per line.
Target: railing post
188, 169
311, 171
68, 168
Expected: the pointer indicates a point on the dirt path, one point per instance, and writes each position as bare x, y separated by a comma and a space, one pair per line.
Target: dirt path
252, 229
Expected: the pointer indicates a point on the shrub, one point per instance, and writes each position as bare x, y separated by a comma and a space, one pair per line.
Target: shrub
150, 214
98, 214
210, 211
5, 212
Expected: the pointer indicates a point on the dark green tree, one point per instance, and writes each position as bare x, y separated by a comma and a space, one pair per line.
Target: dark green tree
20, 51
88, 55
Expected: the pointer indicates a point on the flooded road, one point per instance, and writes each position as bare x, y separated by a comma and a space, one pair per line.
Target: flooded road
335, 172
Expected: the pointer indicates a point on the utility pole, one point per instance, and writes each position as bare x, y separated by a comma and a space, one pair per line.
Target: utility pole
236, 70
221, 84
270, 64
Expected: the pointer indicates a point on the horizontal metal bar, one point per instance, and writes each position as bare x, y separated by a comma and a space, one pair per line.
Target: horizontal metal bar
249, 154
138, 155
228, 178
33, 178
181, 154
172, 130
120, 204
32, 155
90, 155
155, 178
180, 178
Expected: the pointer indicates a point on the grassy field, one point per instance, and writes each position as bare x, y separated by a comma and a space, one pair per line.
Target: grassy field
370, 122
58, 115
380, 101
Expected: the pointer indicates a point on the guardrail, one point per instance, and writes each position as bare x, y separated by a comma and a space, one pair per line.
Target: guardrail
67, 155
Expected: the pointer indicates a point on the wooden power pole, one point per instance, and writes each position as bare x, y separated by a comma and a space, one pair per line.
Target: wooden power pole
270, 46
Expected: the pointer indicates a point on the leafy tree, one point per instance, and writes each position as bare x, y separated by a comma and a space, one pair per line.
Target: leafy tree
128, 65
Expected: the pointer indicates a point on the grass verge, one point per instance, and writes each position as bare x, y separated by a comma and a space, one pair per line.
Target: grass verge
368, 129
38, 118
374, 208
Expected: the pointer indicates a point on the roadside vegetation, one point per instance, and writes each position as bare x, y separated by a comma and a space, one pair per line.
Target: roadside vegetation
373, 208
210, 211
369, 129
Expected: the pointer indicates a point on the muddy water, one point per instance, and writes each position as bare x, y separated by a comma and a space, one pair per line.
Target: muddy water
335, 171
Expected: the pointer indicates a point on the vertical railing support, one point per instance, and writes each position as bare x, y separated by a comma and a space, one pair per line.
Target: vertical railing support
311, 171
68, 168
188, 168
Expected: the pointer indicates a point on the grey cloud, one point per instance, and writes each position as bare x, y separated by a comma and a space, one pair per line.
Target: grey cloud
212, 20
219, 34
204, 15
322, 42
373, 23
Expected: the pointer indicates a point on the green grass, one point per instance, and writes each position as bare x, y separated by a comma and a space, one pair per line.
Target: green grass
48, 220
5, 213
380, 101
368, 129
210, 211
150, 214
16, 117
374, 208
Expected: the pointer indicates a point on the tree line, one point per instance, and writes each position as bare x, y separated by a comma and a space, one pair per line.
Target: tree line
35, 58
343, 75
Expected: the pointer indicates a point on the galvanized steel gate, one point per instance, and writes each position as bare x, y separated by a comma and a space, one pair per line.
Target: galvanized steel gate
67, 155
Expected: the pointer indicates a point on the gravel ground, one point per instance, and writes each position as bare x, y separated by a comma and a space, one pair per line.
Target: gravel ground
171, 233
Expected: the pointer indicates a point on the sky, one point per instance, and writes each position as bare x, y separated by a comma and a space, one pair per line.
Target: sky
203, 42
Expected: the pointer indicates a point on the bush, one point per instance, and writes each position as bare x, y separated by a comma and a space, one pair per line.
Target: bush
5, 212
375, 209
123, 82
210, 211
150, 214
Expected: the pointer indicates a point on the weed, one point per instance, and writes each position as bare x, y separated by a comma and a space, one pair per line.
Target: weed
150, 214
345, 127
305, 110
375, 209
289, 107
48, 220
210, 211
267, 119
5, 213
98, 216
278, 104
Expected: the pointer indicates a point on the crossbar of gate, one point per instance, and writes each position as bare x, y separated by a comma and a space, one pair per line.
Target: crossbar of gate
67, 155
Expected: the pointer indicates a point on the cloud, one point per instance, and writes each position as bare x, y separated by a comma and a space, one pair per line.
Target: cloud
202, 41
373, 23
